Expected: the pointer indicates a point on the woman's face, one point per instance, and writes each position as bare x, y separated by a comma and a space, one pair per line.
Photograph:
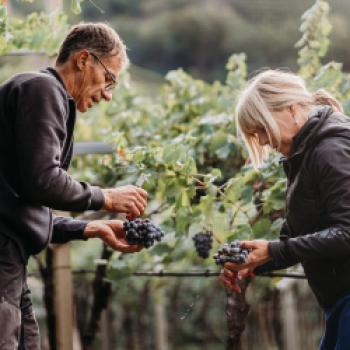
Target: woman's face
289, 121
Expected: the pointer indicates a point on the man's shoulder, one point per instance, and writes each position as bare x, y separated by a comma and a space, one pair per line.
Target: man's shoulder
28, 78
41, 81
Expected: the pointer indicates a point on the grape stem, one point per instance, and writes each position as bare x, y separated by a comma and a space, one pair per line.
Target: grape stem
216, 237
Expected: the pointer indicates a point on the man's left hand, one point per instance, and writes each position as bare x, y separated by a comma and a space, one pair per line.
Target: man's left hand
112, 233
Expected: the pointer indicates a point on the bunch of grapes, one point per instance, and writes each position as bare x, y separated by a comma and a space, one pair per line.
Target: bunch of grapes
203, 243
231, 252
142, 232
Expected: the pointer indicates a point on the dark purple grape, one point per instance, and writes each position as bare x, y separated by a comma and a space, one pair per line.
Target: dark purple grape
142, 232
203, 243
231, 252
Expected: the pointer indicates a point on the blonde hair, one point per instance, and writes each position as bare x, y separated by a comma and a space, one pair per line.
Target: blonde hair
272, 90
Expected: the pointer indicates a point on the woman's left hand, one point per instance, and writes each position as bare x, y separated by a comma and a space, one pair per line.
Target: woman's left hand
259, 255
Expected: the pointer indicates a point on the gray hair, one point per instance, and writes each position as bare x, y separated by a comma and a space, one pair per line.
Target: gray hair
98, 38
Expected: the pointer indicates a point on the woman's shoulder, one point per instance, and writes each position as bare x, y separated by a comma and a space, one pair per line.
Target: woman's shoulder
332, 152
334, 134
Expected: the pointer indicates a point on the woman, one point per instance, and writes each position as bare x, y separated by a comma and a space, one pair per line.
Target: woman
313, 135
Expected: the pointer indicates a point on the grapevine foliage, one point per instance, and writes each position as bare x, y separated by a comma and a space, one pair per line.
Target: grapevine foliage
184, 140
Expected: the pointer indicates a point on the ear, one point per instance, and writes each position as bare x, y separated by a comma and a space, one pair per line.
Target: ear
80, 59
291, 109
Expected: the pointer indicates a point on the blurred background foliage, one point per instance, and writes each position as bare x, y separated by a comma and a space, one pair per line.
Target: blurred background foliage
200, 35
172, 121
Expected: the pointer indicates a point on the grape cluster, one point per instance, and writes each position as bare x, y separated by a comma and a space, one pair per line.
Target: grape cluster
231, 252
142, 232
203, 243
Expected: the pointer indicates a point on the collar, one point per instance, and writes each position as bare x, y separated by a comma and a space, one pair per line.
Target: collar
306, 135
54, 73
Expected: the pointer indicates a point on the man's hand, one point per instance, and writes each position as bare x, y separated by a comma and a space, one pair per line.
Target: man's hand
129, 199
259, 255
110, 232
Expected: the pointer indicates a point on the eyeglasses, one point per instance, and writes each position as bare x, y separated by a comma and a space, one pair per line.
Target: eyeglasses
112, 79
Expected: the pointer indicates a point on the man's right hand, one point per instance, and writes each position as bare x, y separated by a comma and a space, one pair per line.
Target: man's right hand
129, 199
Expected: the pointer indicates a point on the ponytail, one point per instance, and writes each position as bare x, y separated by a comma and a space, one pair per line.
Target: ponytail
322, 97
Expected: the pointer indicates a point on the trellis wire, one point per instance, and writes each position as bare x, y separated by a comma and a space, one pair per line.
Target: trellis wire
161, 273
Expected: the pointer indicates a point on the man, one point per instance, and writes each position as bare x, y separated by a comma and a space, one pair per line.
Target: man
37, 117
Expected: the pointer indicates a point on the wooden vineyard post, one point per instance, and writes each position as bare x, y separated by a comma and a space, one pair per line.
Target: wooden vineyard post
161, 324
53, 5
289, 314
63, 297
62, 276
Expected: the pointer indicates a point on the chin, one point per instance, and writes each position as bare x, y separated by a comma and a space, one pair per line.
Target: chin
284, 152
82, 109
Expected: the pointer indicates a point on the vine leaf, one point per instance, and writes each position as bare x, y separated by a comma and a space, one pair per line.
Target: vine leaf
76, 7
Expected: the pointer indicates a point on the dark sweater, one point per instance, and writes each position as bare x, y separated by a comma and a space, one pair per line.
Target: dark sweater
316, 232
37, 118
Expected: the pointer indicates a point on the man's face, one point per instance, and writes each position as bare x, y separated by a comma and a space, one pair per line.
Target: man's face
95, 79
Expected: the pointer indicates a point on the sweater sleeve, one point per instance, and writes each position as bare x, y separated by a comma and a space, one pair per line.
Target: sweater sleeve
330, 167
273, 265
40, 131
66, 229
270, 266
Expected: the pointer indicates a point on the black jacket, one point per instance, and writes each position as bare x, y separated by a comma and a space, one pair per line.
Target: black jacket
316, 232
37, 118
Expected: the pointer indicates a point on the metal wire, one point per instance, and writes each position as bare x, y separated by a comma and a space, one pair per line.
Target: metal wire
161, 273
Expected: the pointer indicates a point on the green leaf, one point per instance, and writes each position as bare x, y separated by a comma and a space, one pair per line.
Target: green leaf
216, 173
234, 190
247, 194
161, 249
182, 221
262, 228
75, 6
223, 152
174, 153
206, 205
218, 140
218, 119
185, 201
276, 226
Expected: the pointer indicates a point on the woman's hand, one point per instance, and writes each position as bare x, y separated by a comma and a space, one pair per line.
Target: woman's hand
259, 255
230, 278
112, 233
232, 272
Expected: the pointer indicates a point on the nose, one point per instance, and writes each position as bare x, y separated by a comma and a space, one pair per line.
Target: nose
106, 95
